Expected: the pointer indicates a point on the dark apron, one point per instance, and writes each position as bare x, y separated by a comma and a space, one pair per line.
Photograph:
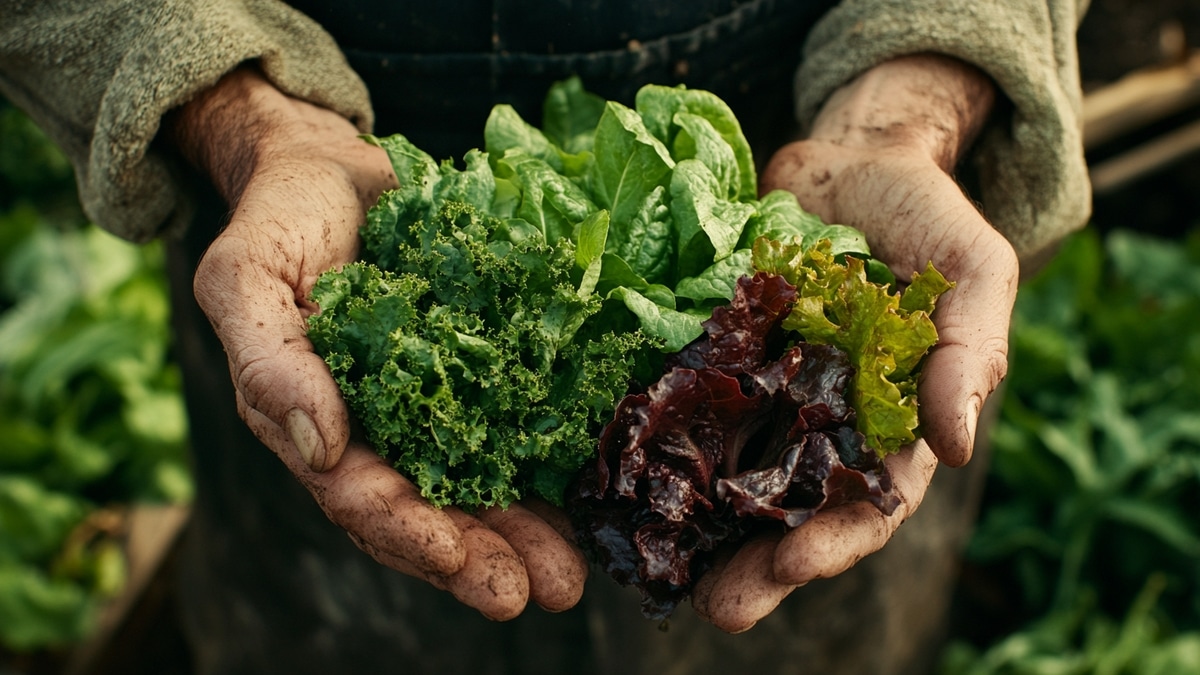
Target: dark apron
458, 58
269, 585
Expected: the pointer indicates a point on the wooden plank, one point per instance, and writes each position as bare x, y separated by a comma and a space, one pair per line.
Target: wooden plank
1115, 173
151, 532
1138, 99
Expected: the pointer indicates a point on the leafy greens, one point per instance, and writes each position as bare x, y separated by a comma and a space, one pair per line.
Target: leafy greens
1090, 511
91, 408
749, 425
503, 309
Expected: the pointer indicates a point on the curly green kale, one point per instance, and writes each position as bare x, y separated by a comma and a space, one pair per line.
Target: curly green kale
468, 361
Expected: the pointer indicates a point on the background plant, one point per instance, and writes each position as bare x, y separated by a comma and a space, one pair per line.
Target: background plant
1088, 551
91, 415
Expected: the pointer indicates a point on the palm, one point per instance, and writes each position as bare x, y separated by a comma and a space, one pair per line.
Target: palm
912, 213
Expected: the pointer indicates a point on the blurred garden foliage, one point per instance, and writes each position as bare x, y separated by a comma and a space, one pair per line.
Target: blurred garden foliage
1087, 556
91, 411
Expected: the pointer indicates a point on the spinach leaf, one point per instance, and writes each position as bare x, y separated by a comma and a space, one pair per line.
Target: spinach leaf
659, 106
780, 217
630, 163
708, 225
549, 201
570, 116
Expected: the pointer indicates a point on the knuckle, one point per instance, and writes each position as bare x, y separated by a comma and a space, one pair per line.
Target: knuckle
252, 374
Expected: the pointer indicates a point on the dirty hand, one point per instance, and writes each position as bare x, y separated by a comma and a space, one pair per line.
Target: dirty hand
299, 181
880, 158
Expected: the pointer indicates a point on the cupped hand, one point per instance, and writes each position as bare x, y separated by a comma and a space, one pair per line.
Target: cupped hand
913, 213
299, 181
879, 159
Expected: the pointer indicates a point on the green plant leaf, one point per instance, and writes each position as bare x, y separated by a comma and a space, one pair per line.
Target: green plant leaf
676, 329
708, 225
659, 105
570, 115
630, 163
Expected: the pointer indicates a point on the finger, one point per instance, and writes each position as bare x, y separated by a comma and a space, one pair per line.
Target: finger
383, 512
254, 313
493, 578
387, 518
971, 357
557, 570
745, 589
703, 588
833, 541
554, 517
972, 319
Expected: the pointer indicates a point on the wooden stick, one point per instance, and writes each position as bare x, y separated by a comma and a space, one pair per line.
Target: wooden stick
1123, 169
1138, 99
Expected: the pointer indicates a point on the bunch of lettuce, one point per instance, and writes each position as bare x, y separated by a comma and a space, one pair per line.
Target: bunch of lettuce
504, 308
787, 406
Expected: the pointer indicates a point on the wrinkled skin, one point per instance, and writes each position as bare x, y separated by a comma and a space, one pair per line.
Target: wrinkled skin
299, 180
879, 159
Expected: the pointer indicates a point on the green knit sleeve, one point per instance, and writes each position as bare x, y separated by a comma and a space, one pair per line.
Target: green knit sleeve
99, 76
1034, 180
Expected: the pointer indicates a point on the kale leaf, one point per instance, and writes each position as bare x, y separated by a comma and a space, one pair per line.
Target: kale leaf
468, 363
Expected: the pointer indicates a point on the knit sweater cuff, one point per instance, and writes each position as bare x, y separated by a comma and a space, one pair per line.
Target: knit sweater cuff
1034, 184
100, 77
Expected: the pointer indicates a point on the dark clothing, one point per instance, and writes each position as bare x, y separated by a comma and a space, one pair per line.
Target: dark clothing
271, 586
436, 69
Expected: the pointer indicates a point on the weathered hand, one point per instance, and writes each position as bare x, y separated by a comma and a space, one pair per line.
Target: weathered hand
879, 159
913, 212
299, 180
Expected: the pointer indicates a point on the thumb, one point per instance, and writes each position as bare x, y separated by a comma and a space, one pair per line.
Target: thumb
971, 357
254, 311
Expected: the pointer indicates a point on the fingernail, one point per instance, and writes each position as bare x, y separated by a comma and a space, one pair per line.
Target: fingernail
304, 434
974, 410
971, 425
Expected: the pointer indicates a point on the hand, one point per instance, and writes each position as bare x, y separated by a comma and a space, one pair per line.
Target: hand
299, 181
879, 159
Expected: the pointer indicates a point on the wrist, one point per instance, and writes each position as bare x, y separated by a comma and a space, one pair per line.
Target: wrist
221, 130
244, 127
929, 103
